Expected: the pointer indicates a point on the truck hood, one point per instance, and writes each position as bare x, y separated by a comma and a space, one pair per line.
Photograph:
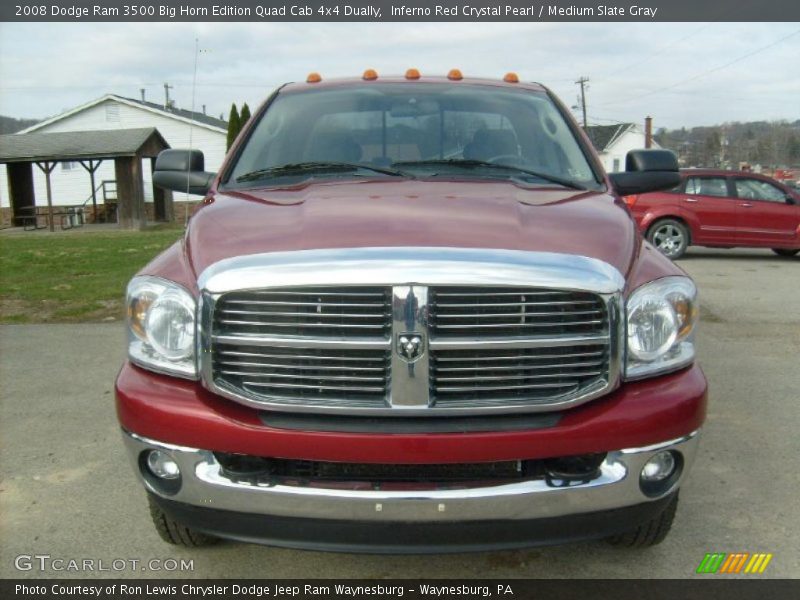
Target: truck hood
377, 213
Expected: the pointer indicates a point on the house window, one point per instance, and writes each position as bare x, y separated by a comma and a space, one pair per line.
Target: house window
615, 168
69, 165
112, 113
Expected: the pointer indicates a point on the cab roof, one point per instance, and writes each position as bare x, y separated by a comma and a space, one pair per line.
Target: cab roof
423, 79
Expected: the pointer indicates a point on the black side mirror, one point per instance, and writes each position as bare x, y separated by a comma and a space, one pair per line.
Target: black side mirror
182, 171
647, 171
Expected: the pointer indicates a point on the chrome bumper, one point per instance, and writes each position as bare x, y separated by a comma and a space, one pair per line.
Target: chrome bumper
204, 485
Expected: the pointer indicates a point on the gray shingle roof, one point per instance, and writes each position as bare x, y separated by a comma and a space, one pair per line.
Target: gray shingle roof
75, 145
603, 135
186, 114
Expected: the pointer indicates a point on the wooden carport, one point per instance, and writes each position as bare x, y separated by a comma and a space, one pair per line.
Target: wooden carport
126, 147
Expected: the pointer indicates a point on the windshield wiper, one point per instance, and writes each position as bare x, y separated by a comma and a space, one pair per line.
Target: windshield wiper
317, 167
482, 164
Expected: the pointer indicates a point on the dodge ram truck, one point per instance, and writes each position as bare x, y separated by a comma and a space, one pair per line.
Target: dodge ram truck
412, 314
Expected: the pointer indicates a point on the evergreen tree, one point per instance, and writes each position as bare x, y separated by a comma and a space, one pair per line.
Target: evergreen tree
234, 125
244, 116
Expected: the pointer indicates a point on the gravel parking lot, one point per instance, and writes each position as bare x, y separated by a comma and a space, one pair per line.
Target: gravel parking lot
67, 490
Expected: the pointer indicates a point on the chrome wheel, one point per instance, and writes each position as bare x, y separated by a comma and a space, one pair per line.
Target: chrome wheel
670, 237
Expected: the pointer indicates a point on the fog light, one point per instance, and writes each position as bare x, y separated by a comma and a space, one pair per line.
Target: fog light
161, 465
659, 467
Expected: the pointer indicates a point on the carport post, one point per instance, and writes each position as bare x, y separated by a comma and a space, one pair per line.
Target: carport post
91, 169
47, 168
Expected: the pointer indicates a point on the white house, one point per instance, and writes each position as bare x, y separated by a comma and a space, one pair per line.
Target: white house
180, 128
613, 142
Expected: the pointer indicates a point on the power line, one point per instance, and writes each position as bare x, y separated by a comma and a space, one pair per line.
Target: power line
658, 52
607, 119
721, 17
704, 73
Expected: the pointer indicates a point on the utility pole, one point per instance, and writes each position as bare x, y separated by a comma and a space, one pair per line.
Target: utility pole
167, 88
582, 81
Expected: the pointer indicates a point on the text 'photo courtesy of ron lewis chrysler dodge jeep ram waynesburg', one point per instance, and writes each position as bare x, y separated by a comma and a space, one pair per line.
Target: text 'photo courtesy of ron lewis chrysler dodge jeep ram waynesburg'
412, 314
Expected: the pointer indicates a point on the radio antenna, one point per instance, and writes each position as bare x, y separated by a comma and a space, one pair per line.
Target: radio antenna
191, 121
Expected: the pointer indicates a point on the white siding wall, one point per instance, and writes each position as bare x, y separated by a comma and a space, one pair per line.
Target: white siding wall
73, 187
630, 140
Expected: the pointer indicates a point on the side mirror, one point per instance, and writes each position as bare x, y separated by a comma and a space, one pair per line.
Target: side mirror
647, 171
182, 171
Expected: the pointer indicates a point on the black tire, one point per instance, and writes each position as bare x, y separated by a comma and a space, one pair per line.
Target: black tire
648, 534
173, 532
785, 251
670, 236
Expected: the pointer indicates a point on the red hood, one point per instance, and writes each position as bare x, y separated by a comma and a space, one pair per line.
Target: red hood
374, 213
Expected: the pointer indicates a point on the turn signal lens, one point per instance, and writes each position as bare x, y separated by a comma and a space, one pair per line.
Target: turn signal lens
412, 74
687, 313
455, 75
137, 312
630, 200
370, 75
511, 78
313, 78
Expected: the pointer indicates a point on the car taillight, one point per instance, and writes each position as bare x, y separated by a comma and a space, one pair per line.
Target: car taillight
630, 200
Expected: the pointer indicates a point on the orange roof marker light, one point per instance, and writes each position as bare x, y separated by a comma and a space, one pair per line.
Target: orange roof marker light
370, 75
412, 74
511, 78
313, 78
455, 75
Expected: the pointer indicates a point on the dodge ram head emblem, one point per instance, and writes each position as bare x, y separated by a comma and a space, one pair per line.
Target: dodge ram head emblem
409, 346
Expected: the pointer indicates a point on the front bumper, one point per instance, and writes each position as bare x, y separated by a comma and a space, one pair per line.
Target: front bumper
458, 518
391, 537
184, 413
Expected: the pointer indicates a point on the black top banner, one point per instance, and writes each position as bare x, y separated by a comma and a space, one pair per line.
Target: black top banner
401, 10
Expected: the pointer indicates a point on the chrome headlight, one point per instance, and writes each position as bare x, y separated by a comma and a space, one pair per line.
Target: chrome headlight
661, 317
161, 326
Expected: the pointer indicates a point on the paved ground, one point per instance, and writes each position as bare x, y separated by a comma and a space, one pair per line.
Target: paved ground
67, 490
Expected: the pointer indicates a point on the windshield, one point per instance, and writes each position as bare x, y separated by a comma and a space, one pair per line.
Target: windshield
413, 130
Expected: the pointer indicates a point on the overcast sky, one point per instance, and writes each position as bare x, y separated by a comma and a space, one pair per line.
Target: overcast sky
675, 72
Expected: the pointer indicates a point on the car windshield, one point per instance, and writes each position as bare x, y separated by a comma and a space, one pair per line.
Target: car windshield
413, 130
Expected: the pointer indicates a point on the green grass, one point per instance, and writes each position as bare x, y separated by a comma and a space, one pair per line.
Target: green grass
75, 277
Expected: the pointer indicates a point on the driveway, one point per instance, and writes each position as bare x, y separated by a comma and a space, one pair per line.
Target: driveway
67, 490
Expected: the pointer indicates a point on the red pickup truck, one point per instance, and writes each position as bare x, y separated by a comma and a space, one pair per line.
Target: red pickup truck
412, 314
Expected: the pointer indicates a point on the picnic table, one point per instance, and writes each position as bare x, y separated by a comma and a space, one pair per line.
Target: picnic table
69, 216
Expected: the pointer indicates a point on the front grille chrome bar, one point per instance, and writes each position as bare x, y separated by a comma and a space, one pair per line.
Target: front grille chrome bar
410, 331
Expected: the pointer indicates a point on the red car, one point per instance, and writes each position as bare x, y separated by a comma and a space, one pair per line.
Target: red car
722, 209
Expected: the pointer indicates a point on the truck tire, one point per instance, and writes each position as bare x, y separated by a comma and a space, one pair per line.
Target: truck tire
785, 251
670, 236
648, 534
173, 532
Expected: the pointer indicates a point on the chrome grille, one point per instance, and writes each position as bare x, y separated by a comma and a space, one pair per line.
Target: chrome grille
305, 312
466, 311
313, 331
471, 378
352, 378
